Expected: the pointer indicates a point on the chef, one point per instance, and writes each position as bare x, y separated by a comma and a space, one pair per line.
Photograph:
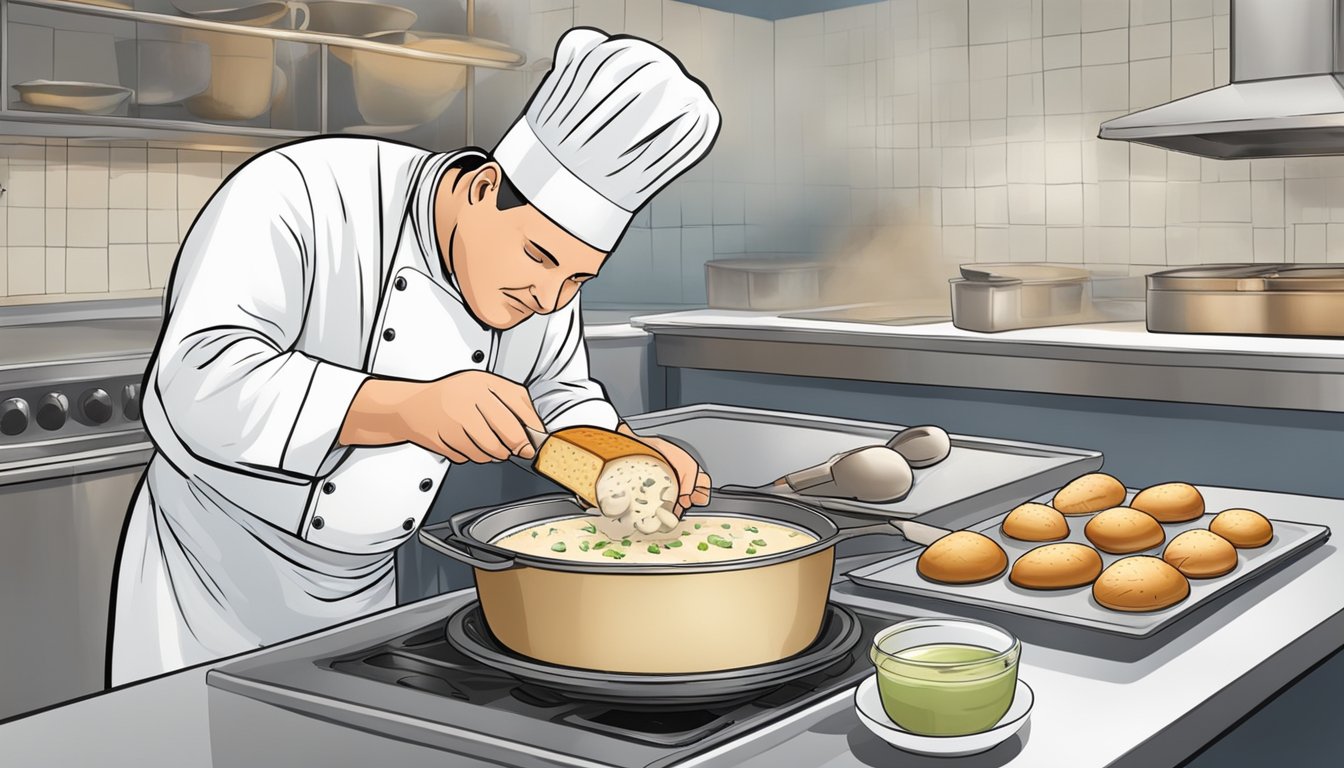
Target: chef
347, 319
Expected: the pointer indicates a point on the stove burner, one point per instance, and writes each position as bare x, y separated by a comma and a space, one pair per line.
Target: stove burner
443, 684
840, 632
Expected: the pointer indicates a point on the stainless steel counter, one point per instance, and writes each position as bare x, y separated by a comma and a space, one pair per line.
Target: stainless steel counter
1096, 704
1116, 360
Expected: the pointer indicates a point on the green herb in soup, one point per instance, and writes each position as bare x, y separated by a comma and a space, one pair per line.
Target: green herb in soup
589, 539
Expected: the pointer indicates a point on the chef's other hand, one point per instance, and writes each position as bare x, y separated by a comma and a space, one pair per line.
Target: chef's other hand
693, 484
471, 416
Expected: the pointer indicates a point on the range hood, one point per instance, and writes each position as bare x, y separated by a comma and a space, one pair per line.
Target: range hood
1286, 98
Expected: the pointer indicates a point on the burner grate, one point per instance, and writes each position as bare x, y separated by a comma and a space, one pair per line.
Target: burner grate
470, 694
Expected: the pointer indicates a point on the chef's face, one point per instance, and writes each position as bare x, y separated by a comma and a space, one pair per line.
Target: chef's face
515, 263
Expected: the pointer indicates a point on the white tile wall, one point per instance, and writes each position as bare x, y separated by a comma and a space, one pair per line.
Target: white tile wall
100, 219
1000, 150
972, 122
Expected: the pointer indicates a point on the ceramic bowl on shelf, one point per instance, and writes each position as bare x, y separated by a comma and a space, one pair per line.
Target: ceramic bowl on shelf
357, 18
868, 703
164, 71
71, 96
242, 73
398, 90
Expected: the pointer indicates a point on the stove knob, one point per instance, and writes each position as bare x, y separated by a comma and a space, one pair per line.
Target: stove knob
13, 416
130, 401
96, 406
52, 410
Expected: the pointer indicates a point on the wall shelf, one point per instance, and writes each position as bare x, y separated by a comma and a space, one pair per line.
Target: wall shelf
19, 120
195, 135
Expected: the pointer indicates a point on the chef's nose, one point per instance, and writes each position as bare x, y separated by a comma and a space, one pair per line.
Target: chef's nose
540, 298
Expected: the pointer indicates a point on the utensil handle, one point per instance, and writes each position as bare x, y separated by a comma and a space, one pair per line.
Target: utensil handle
534, 437
922, 534
810, 477
463, 552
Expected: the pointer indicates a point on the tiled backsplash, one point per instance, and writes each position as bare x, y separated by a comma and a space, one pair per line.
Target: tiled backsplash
961, 129
82, 220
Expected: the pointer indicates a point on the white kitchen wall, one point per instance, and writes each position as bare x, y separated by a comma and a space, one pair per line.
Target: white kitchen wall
978, 119
969, 122
81, 221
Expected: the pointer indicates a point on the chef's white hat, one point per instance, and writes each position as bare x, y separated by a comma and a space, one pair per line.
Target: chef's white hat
615, 120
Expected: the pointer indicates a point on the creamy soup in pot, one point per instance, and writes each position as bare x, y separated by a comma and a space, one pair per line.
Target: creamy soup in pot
696, 539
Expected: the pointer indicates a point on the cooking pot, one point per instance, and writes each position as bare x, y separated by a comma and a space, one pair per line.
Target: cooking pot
652, 619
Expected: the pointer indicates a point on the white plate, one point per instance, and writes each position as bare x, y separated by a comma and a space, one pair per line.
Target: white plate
89, 98
869, 704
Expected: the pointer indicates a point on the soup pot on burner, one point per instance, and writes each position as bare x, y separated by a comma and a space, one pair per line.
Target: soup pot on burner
676, 618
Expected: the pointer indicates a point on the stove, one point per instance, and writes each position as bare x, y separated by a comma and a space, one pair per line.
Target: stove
72, 449
416, 686
65, 386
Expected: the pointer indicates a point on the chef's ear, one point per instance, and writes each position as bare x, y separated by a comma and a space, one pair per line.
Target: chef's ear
484, 183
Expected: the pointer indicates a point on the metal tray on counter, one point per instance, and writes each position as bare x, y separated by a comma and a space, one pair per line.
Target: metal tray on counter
754, 447
1077, 606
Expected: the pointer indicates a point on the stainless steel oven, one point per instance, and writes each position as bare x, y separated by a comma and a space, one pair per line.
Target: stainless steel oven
72, 451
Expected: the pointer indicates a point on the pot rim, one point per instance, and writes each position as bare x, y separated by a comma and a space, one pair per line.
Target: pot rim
463, 527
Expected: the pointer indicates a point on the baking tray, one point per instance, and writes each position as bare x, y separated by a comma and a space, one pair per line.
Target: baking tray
754, 447
1076, 606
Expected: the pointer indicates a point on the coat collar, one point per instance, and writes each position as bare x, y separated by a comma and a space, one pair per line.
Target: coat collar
426, 184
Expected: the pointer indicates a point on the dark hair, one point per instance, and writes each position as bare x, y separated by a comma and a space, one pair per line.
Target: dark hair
473, 158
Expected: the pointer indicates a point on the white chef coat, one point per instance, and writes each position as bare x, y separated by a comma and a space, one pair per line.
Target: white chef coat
315, 265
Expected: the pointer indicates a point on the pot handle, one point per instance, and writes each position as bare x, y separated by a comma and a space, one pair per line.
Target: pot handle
463, 552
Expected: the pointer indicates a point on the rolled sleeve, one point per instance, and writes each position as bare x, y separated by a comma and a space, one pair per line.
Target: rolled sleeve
321, 416
227, 383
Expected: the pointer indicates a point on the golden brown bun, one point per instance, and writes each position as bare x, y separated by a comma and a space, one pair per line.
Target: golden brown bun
1140, 583
1090, 493
963, 557
1245, 528
1057, 566
1170, 502
1035, 522
1122, 530
1201, 554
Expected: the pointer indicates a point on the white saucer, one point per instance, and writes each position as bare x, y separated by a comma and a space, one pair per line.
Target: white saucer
869, 704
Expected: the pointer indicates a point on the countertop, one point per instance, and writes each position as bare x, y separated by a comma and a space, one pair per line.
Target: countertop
1120, 359
1098, 702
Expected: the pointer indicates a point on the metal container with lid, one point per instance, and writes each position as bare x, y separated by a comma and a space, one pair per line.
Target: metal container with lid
768, 282
1248, 299
1004, 297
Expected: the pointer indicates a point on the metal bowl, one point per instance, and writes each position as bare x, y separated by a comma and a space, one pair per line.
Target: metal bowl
164, 71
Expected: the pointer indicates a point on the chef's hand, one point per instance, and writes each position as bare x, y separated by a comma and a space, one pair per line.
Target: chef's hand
471, 416
693, 483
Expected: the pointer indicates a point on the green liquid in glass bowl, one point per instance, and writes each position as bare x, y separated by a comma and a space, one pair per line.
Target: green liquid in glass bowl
946, 689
